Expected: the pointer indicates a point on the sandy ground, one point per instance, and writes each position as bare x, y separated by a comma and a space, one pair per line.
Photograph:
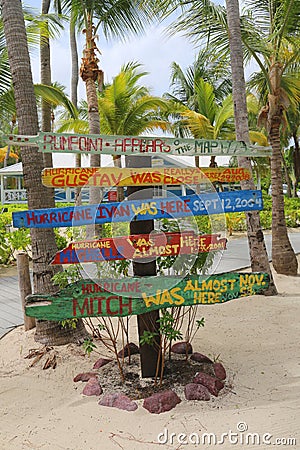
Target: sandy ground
257, 339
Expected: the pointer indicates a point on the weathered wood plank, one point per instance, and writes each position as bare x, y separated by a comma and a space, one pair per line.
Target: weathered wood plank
171, 207
137, 145
138, 247
140, 295
114, 176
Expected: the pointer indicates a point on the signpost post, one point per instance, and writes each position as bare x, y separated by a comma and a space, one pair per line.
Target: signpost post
147, 321
144, 294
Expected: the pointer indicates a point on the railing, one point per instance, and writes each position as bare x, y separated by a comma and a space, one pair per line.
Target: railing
68, 195
61, 195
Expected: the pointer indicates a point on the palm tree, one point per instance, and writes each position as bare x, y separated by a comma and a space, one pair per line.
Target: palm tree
116, 19
270, 35
257, 248
43, 240
125, 107
201, 89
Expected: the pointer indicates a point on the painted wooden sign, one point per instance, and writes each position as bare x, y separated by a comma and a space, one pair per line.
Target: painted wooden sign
138, 247
128, 296
113, 176
170, 207
139, 145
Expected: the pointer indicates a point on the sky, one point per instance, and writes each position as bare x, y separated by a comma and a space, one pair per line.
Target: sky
153, 50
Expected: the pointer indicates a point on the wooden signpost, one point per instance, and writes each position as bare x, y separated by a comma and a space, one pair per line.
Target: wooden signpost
144, 294
138, 247
170, 207
137, 145
139, 295
113, 176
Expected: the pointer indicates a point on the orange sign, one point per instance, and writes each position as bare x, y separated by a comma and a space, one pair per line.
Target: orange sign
112, 176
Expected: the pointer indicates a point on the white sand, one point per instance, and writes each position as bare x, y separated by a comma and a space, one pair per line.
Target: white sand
257, 339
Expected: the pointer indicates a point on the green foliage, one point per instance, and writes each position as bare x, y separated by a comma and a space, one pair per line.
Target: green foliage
60, 239
148, 337
19, 239
69, 323
67, 276
265, 219
194, 264
200, 323
88, 346
5, 251
235, 222
167, 328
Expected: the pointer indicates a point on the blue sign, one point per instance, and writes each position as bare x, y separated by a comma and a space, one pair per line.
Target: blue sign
129, 210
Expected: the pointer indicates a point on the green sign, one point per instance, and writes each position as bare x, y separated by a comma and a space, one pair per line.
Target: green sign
137, 145
126, 296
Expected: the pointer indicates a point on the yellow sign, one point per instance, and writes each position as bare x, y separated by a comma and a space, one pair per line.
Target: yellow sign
112, 176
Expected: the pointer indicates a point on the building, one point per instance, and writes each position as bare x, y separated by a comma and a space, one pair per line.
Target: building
12, 184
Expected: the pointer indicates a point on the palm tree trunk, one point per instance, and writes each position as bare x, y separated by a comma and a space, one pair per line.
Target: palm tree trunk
283, 255
257, 248
43, 240
45, 61
89, 73
74, 88
296, 158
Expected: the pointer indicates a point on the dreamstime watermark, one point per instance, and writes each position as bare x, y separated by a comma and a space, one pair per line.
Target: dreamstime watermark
241, 436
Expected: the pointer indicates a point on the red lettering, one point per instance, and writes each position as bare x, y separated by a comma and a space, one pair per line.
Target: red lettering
186, 207
52, 217
84, 310
127, 305
72, 140
30, 217
108, 300
82, 143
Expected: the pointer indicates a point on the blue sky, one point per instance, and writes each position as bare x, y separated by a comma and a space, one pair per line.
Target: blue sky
153, 50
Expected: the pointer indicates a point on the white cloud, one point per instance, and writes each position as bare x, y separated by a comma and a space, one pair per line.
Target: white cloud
153, 50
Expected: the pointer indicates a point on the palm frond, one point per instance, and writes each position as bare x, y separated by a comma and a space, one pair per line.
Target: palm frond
55, 97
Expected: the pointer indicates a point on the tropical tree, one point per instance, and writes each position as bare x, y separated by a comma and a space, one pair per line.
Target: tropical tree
200, 90
258, 253
126, 108
116, 19
43, 240
270, 36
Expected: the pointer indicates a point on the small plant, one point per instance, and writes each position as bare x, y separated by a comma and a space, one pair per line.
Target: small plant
166, 327
69, 323
19, 239
88, 346
60, 239
67, 276
148, 337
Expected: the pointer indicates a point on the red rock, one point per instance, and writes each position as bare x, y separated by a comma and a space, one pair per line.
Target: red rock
92, 387
214, 385
129, 349
182, 348
85, 376
194, 391
220, 371
161, 402
118, 400
101, 362
201, 358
